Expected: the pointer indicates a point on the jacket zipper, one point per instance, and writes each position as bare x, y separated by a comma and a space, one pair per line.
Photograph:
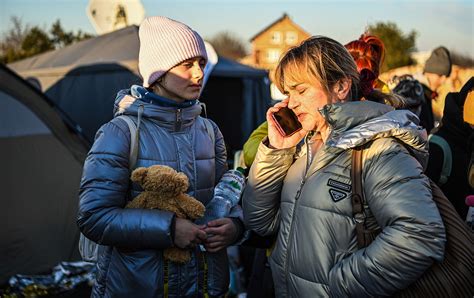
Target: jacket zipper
298, 194
177, 125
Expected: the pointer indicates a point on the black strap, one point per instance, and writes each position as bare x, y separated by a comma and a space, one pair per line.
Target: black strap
358, 196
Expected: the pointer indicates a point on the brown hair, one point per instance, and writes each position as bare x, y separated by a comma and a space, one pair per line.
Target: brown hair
327, 61
317, 58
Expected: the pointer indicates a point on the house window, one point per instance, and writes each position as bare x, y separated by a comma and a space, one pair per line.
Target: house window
291, 37
273, 55
276, 37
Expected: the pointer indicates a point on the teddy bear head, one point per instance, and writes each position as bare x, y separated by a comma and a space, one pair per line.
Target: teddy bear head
162, 179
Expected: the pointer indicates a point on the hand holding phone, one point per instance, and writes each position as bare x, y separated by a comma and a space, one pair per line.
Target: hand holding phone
286, 122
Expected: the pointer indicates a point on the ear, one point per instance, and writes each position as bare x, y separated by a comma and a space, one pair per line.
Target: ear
139, 175
342, 88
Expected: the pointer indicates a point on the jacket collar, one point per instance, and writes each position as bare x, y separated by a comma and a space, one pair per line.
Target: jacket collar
169, 117
353, 124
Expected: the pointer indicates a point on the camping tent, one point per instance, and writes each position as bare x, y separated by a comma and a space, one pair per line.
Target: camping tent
83, 79
41, 158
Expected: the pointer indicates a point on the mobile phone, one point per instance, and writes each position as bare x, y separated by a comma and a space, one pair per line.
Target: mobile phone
287, 122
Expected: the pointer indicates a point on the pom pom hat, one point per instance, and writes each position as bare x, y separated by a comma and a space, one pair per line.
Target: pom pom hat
164, 43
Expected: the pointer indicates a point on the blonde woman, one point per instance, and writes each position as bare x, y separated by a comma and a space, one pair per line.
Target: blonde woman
305, 197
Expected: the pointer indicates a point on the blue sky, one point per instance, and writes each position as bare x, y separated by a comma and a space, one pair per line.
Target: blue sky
449, 22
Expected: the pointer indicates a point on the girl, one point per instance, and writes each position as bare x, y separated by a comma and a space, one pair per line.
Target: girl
130, 263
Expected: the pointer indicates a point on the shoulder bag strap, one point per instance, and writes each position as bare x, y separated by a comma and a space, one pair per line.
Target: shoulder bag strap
358, 196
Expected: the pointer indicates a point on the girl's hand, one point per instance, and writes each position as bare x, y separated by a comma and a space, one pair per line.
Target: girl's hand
221, 233
187, 234
276, 140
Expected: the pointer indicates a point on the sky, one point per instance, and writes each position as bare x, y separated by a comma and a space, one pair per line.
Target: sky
437, 22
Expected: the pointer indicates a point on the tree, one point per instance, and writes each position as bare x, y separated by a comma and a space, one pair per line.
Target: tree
61, 38
228, 45
398, 46
22, 41
36, 42
10, 45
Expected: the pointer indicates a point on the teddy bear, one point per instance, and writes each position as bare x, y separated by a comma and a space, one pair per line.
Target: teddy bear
165, 189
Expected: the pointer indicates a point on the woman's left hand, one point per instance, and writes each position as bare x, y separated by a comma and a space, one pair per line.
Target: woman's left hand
221, 233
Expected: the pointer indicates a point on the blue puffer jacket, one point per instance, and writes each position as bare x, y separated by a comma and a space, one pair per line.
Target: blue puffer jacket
130, 260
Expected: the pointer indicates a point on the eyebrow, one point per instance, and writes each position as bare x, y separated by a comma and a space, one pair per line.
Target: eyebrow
295, 85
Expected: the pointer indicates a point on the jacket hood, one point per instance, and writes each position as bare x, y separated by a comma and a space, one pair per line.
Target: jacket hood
357, 123
128, 102
453, 122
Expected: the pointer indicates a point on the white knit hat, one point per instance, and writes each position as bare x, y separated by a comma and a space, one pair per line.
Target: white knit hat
164, 43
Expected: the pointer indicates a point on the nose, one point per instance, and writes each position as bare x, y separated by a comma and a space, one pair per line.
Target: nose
292, 102
198, 71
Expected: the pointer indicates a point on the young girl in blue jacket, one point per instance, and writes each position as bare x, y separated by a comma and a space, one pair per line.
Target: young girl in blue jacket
130, 263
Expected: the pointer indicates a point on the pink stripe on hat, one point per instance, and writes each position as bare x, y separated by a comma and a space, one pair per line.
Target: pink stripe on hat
164, 43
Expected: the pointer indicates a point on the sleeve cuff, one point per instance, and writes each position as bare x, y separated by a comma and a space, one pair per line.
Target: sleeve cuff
239, 225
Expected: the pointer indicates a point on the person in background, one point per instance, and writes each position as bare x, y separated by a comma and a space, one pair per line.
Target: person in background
435, 72
171, 61
306, 199
456, 129
411, 93
368, 53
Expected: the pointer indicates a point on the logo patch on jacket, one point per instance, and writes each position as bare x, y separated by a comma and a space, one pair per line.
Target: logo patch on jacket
339, 185
337, 195
338, 190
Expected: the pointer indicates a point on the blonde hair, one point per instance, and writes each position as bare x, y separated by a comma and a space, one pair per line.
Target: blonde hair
317, 58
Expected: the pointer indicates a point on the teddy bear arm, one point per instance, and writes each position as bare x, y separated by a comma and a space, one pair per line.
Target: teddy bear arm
139, 201
167, 205
193, 208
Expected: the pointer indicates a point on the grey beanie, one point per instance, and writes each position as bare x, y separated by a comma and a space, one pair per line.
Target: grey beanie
439, 62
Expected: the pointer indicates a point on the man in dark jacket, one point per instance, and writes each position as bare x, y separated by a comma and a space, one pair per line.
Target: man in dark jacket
459, 135
437, 69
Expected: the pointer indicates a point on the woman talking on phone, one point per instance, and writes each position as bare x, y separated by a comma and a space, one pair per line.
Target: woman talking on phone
305, 197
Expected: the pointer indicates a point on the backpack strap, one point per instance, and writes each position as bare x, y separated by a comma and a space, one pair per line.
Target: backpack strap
88, 249
447, 157
210, 130
134, 136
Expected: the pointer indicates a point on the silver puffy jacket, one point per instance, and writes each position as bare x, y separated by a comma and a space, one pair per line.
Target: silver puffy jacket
306, 200
131, 261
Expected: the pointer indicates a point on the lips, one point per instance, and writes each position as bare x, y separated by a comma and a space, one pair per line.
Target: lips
195, 86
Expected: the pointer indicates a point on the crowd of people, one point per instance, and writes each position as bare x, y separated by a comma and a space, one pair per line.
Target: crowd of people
296, 207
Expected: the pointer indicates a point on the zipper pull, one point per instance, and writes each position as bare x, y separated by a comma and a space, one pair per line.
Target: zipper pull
298, 193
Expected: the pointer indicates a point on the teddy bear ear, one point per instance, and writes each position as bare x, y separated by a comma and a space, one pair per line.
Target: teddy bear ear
139, 175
